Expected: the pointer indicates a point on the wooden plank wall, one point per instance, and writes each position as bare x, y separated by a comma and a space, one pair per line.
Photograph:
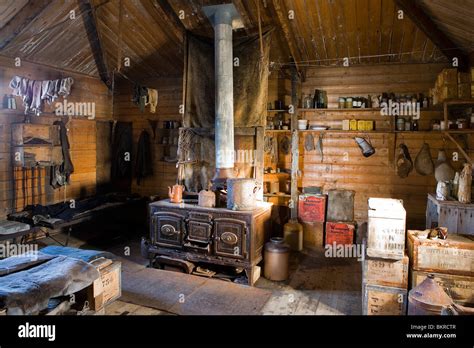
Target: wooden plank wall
82, 135
343, 166
169, 100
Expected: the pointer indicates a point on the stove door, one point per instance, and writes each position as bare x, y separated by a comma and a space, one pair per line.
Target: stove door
199, 231
230, 238
168, 229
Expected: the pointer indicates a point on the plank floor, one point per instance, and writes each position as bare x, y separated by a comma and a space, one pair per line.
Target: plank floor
317, 285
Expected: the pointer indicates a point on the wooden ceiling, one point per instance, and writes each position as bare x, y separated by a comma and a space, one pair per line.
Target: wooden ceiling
150, 33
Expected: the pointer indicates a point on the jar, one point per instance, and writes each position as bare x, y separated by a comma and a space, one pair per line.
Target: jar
442, 125
400, 124
436, 126
348, 103
407, 125
342, 103
276, 259
462, 123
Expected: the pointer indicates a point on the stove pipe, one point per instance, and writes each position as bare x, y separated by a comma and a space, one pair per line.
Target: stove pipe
224, 19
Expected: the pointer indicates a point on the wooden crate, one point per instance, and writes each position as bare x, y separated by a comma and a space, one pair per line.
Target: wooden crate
454, 255
108, 287
340, 233
313, 234
457, 217
24, 133
312, 208
447, 77
460, 288
31, 156
384, 272
383, 300
386, 228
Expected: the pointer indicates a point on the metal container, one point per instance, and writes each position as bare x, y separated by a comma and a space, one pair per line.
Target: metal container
207, 199
241, 194
428, 298
293, 235
276, 257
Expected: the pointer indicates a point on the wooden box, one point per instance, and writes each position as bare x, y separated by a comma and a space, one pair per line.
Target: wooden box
384, 272
460, 288
464, 91
340, 205
312, 208
457, 217
447, 92
454, 255
447, 77
313, 234
31, 156
386, 228
464, 77
339, 233
38, 134
383, 300
108, 287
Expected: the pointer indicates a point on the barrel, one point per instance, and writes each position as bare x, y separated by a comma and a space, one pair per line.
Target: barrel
276, 257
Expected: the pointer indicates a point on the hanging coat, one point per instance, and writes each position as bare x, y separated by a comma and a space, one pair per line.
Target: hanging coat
143, 165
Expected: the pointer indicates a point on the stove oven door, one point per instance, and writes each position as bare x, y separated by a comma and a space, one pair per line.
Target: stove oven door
168, 229
230, 238
199, 231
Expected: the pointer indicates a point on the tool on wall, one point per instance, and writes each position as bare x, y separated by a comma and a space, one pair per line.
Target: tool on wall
365, 146
404, 163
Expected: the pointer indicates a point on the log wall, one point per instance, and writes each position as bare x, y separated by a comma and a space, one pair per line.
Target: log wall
342, 165
82, 137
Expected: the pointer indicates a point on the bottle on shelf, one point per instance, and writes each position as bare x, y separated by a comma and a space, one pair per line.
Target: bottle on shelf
415, 125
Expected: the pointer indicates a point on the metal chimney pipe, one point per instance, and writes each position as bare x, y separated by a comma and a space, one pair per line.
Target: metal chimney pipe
224, 19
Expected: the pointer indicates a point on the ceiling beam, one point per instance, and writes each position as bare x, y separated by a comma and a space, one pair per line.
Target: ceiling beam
19, 22
277, 12
90, 23
413, 10
166, 12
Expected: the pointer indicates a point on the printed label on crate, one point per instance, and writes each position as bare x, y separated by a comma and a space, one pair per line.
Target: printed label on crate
445, 259
385, 303
387, 272
312, 208
386, 235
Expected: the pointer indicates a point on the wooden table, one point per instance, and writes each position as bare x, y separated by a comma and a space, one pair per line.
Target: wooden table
457, 217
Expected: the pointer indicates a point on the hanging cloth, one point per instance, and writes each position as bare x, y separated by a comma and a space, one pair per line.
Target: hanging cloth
60, 174
143, 166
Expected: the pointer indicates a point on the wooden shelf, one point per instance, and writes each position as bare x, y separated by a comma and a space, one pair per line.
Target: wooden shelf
458, 102
275, 110
283, 195
278, 130
341, 110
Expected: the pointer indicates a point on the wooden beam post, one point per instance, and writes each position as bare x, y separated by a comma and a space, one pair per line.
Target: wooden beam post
90, 23
413, 10
19, 22
295, 153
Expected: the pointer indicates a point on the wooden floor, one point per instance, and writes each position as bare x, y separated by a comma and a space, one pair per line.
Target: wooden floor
317, 285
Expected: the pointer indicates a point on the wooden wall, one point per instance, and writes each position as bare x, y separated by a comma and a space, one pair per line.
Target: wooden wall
82, 135
343, 166
169, 100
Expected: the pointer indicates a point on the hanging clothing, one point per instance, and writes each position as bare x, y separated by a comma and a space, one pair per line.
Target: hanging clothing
60, 175
34, 92
140, 96
143, 165
152, 99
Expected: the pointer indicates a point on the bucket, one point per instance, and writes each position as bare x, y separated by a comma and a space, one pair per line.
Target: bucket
241, 194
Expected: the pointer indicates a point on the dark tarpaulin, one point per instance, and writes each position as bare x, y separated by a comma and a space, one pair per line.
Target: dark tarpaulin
250, 82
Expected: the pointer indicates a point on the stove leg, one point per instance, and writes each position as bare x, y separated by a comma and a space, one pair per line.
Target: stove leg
253, 274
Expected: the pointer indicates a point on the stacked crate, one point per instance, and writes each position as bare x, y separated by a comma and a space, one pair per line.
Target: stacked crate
451, 261
385, 268
340, 225
312, 215
452, 84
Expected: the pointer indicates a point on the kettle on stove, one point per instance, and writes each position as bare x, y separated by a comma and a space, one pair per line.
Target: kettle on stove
175, 193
